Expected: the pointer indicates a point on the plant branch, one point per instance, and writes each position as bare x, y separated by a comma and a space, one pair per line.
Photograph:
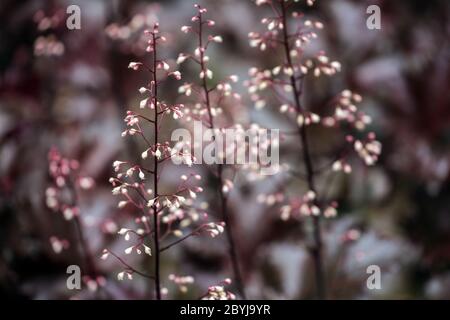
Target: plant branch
223, 199
130, 268
155, 176
316, 249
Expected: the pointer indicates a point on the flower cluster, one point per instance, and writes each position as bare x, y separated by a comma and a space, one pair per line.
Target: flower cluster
181, 282
164, 219
218, 292
133, 29
62, 197
307, 206
289, 31
48, 45
207, 105
285, 82
208, 101
346, 113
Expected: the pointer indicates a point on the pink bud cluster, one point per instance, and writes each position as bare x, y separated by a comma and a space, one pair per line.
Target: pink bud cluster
219, 292
61, 195
347, 114
205, 107
181, 282
48, 45
308, 206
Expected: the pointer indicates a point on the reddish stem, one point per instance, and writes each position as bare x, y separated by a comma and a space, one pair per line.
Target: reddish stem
155, 176
316, 249
223, 198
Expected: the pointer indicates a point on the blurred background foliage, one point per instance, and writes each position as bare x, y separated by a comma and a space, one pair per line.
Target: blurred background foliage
72, 88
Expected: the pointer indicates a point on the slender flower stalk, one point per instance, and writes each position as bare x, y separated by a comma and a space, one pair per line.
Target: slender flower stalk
286, 82
155, 169
166, 220
205, 95
296, 84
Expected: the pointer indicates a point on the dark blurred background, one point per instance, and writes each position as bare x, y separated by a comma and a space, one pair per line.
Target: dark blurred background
71, 89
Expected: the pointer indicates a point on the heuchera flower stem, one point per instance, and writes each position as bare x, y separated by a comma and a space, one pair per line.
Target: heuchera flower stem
316, 249
155, 176
222, 196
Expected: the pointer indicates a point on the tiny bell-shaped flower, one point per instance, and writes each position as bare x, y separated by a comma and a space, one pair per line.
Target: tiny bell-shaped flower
135, 65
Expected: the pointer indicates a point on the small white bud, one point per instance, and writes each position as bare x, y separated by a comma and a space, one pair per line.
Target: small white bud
128, 250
